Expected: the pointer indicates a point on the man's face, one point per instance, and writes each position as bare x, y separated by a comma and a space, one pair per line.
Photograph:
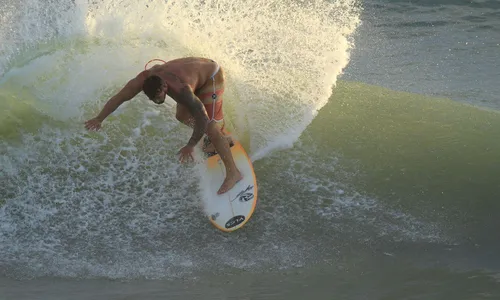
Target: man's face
160, 96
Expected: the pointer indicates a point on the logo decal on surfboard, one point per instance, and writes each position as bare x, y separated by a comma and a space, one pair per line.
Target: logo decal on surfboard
234, 221
244, 195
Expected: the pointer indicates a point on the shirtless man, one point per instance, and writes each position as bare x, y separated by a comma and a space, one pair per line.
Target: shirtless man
197, 85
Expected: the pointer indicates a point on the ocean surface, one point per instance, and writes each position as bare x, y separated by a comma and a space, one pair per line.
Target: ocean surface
373, 127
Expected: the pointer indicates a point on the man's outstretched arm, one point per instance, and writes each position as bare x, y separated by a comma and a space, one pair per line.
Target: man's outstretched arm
129, 91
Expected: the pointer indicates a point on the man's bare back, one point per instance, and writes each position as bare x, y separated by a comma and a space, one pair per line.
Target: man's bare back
192, 71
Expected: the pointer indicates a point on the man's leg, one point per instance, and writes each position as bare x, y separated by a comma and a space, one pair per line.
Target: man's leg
210, 92
221, 144
210, 148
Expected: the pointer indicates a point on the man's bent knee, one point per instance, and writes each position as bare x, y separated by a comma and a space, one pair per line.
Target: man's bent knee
183, 115
180, 117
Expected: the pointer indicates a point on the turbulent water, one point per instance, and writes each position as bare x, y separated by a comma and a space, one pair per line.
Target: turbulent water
365, 192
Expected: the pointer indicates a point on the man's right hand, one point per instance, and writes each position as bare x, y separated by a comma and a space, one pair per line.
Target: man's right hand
93, 124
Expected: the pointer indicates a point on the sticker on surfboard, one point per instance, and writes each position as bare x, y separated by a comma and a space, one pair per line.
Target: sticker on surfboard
231, 210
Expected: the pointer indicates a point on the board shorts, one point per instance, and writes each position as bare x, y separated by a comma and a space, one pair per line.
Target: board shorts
212, 100
214, 109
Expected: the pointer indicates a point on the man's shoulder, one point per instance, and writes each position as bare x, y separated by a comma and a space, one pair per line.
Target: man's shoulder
143, 75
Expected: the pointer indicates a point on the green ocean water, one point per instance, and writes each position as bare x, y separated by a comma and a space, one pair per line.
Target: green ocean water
432, 156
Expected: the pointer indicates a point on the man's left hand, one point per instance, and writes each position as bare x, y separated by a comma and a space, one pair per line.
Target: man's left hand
186, 154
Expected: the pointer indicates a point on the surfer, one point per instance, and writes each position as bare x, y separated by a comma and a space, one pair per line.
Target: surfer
197, 85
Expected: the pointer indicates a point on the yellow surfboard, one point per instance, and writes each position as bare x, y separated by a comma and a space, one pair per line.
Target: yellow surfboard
231, 210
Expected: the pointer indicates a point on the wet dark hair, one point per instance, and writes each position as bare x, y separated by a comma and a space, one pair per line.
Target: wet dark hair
152, 85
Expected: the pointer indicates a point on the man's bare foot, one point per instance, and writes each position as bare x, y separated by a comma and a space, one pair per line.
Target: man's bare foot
211, 148
229, 182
